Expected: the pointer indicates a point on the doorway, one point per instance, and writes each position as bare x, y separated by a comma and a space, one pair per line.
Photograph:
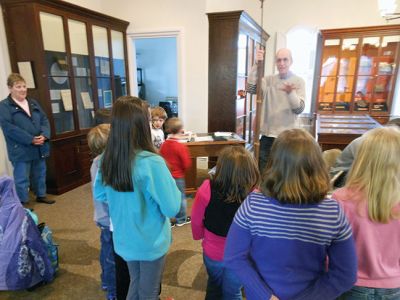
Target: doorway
155, 61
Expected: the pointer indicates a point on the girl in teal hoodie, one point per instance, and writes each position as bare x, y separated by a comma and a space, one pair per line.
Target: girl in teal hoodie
141, 195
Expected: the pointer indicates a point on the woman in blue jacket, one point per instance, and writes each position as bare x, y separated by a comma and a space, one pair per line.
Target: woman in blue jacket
141, 196
27, 132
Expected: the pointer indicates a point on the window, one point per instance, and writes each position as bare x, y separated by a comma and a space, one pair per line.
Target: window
302, 41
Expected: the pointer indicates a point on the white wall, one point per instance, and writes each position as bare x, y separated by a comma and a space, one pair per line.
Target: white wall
252, 7
5, 166
95, 5
4, 60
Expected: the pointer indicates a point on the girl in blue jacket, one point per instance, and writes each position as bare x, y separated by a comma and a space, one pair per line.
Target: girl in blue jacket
141, 195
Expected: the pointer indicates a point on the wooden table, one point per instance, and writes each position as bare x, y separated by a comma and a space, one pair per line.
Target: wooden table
204, 149
337, 131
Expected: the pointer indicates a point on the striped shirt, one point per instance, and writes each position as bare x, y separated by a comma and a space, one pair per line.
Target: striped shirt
282, 249
319, 224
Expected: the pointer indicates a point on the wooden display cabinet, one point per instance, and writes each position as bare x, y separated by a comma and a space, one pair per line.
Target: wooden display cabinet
358, 71
233, 38
78, 65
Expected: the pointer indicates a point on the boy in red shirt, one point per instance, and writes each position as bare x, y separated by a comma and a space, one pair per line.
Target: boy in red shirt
176, 154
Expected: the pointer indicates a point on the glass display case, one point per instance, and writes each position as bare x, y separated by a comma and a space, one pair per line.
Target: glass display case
78, 59
337, 131
358, 70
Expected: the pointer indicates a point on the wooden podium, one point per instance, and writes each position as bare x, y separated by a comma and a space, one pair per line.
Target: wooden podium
205, 149
337, 131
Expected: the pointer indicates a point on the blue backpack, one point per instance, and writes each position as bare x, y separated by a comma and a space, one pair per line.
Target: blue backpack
52, 248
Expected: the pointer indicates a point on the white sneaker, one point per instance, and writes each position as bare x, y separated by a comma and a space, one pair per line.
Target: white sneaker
187, 221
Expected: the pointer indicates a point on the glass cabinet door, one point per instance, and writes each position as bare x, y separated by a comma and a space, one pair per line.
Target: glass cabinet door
102, 65
329, 71
347, 70
117, 42
366, 72
242, 64
81, 73
251, 103
242, 126
385, 73
57, 72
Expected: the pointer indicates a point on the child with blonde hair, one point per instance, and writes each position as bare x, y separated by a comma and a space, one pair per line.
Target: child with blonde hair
371, 201
289, 241
97, 140
215, 205
158, 117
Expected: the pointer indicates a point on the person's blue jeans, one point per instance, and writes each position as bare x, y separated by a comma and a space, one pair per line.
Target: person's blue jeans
145, 279
222, 283
366, 293
181, 216
107, 261
28, 173
265, 149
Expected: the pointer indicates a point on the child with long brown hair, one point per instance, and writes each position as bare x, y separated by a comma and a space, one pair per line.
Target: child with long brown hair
289, 241
141, 195
214, 207
371, 201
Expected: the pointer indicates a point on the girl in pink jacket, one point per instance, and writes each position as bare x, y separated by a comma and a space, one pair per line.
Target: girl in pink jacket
214, 207
371, 201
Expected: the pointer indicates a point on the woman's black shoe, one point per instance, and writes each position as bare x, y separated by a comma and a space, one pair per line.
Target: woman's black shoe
45, 200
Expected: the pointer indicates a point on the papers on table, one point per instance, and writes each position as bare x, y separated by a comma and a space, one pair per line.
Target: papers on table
223, 134
207, 138
182, 138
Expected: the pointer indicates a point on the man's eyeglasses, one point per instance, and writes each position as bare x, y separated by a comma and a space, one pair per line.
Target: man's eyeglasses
285, 60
